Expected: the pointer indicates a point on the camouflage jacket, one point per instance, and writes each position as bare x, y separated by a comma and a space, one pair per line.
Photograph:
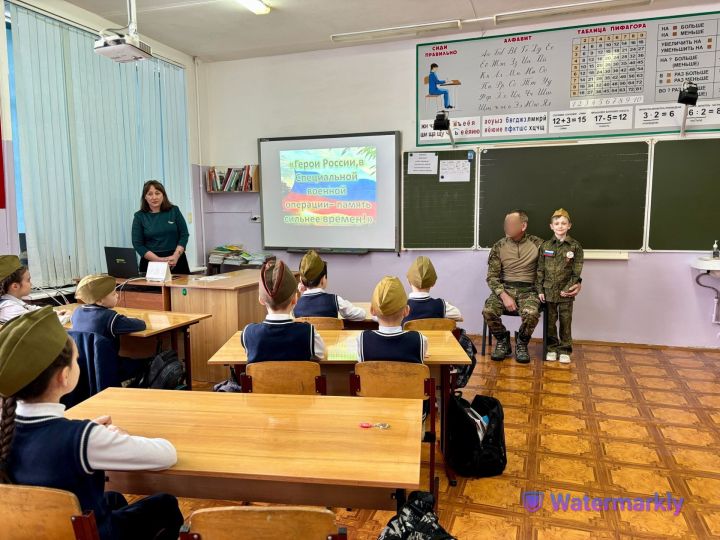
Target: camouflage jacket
559, 268
495, 273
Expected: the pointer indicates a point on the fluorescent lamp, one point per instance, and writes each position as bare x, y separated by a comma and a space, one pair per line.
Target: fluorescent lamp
593, 5
256, 6
396, 31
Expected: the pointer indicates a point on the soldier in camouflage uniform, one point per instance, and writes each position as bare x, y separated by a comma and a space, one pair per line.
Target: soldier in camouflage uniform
512, 270
559, 268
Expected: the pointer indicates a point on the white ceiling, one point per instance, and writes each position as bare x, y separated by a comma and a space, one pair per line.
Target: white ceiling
216, 30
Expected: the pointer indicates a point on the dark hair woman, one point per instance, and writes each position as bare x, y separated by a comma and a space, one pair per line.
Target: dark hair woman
159, 231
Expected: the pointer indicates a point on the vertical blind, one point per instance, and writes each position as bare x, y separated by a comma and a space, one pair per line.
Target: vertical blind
90, 132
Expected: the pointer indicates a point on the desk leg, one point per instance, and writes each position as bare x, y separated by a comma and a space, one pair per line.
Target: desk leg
446, 388
187, 354
400, 498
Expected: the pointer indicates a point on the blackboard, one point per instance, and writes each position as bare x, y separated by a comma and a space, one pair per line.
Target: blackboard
603, 186
438, 214
685, 195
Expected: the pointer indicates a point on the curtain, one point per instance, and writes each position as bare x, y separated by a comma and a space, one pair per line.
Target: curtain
90, 133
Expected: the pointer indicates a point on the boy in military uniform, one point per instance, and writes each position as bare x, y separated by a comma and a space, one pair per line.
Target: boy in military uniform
559, 268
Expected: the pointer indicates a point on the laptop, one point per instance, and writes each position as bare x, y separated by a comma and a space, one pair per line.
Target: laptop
122, 262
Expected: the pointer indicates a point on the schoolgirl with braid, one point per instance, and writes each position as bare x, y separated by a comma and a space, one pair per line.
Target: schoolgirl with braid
39, 447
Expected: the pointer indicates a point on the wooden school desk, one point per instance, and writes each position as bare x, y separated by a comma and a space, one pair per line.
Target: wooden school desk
307, 450
232, 299
341, 356
160, 324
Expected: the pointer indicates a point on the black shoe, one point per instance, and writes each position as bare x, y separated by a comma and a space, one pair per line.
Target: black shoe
502, 347
522, 355
449, 107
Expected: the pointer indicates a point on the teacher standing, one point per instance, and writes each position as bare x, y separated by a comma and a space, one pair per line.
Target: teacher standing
159, 231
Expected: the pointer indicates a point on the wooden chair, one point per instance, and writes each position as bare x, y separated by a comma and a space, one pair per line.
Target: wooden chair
262, 523
30, 512
301, 377
430, 324
323, 323
389, 379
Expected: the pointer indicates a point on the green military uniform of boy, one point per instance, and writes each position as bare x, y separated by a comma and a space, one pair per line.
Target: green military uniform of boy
559, 268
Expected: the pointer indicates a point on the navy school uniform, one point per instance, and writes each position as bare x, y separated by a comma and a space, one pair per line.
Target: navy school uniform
104, 321
318, 303
392, 344
109, 323
279, 337
51, 451
423, 306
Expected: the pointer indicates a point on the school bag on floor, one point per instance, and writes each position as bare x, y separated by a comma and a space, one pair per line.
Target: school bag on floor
165, 371
476, 435
463, 373
416, 521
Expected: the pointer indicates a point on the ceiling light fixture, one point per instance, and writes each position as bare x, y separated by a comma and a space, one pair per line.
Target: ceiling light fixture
593, 5
256, 6
396, 31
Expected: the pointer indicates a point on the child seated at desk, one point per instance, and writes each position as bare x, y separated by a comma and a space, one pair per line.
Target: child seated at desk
279, 337
314, 301
422, 277
97, 315
39, 447
390, 341
14, 285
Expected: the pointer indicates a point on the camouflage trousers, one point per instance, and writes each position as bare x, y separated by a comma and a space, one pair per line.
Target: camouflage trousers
528, 305
559, 312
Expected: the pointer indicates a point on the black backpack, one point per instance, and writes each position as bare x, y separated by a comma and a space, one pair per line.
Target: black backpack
416, 521
165, 371
463, 373
469, 456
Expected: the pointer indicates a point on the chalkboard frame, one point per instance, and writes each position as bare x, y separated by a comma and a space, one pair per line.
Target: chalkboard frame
616, 250
475, 186
480, 141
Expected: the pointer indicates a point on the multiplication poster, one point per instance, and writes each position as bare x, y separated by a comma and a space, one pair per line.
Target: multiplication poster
616, 78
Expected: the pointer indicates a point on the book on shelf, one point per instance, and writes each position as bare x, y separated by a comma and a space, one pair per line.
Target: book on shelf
232, 179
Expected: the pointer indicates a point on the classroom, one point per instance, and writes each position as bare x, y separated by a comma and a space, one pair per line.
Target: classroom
360, 269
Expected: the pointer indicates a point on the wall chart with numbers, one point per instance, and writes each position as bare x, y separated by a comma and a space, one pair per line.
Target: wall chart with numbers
616, 78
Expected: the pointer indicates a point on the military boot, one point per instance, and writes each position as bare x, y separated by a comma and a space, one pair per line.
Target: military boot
522, 355
502, 347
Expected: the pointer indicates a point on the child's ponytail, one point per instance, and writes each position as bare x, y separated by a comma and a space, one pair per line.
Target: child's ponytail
7, 430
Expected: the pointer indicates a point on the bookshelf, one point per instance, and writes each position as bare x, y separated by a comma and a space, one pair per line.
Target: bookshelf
242, 179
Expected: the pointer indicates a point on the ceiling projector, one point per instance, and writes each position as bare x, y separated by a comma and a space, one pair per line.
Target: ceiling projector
123, 48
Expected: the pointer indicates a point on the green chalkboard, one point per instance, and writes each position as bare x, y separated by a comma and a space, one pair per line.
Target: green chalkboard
603, 186
685, 195
438, 213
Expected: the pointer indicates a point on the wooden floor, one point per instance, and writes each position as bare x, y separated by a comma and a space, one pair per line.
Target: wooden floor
618, 421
